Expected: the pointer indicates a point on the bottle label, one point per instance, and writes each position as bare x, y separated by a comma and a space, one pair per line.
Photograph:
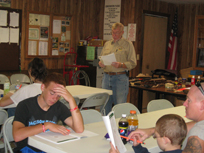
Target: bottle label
6, 85
132, 128
17, 86
123, 131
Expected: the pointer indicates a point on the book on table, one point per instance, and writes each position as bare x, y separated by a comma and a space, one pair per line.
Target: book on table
113, 133
58, 138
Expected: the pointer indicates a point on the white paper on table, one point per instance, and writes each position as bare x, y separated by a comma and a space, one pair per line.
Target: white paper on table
113, 133
108, 59
14, 19
58, 138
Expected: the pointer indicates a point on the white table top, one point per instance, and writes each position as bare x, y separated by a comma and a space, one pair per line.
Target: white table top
85, 91
78, 90
98, 143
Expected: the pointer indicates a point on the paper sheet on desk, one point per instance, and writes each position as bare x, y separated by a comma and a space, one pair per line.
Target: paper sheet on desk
108, 59
59, 138
112, 129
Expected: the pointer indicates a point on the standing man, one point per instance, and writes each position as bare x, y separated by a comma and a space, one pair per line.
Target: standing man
40, 113
116, 75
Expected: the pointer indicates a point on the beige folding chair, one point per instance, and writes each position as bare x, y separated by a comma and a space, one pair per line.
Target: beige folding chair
91, 116
99, 99
8, 134
3, 78
124, 108
158, 104
23, 78
3, 118
67, 104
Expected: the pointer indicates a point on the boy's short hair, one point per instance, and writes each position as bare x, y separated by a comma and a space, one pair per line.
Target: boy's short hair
54, 77
116, 25
172, 126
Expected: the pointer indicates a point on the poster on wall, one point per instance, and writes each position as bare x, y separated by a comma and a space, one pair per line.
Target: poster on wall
5, 3
131, 31
111, 15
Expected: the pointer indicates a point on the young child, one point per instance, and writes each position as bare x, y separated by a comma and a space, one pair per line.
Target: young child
170, 132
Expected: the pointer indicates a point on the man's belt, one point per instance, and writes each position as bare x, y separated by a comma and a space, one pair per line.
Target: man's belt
115, 73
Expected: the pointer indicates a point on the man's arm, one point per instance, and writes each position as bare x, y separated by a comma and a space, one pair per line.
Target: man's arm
21, 132
75, 121
6, 100
194, 145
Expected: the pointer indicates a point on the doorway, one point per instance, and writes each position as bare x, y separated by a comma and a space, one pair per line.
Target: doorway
154, 48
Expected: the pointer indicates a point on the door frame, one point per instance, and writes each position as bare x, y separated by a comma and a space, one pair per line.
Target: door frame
152, 13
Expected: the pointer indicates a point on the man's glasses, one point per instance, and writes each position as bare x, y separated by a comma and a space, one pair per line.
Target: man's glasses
199, 87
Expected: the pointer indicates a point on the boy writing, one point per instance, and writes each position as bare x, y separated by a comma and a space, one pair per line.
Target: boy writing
170, 131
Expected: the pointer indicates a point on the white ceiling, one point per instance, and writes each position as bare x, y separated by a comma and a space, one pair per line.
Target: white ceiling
183, 1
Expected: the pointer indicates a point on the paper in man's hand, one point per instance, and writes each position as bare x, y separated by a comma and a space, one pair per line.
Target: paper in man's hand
108, 59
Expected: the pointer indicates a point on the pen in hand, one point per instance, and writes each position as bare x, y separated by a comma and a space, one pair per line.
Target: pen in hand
138, 141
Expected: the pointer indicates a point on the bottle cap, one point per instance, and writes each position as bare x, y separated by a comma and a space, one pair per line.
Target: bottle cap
123, 115
132, 112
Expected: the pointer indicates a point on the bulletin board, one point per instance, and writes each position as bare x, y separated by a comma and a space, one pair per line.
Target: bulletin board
38, 34
48, 35
10, 38
61, 35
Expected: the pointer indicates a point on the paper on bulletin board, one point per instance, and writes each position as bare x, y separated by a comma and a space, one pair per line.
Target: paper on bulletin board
14, 35
56, 27
44, 20
34, 33
3, 17
43, 48
4, 35
32, 47
55, 52
14, 19
34, 19
68, 35
90, 53
132, 31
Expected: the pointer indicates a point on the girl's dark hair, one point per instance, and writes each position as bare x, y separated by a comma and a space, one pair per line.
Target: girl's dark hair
38, 69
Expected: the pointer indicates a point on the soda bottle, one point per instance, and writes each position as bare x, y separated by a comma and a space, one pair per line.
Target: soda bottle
176, 83
17, 86
193, 80
198, 79
132, 121
123, 127
6, 87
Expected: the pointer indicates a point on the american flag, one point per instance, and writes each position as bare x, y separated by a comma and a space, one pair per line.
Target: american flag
172, 48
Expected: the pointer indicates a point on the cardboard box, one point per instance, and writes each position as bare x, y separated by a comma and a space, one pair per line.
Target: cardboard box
97, 43
185, 72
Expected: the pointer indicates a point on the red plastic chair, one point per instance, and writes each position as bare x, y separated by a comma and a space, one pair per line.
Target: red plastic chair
74, 66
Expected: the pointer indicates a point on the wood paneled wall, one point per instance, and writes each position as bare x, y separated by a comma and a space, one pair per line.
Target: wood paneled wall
88, 21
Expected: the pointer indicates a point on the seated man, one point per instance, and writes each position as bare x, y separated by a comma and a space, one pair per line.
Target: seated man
194, 104
40, 113
170, 131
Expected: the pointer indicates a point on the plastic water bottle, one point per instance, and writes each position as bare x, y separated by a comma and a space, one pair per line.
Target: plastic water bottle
123, 127
17, 86
193, 80
6, 87
132, 121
